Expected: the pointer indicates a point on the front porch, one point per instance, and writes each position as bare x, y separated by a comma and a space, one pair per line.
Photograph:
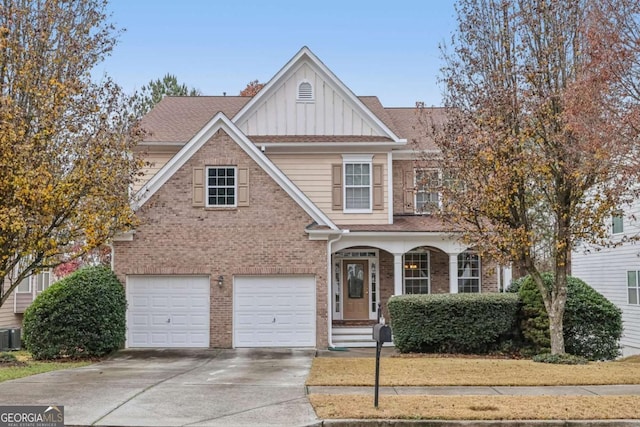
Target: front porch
365, 276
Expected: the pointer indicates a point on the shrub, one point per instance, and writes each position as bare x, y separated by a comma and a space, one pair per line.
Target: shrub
562, 359
82, 315
452, 323
592, 324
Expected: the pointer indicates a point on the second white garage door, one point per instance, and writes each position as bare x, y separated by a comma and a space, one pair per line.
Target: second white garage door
274, 311
168, 311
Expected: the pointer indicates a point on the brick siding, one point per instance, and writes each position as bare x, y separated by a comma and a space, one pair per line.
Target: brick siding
265, 238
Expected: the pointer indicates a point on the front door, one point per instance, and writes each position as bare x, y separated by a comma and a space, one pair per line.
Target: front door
355, 289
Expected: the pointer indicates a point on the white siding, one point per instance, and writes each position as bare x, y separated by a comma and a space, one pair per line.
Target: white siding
606, 271
311, 173
328, 114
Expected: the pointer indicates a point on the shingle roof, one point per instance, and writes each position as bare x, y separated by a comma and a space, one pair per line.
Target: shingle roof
179, 118
407, 123
407, 223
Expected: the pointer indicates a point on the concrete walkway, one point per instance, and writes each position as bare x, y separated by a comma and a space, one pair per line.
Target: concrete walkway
591, 390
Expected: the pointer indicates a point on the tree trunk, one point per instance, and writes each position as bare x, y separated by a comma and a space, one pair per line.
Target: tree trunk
556, 330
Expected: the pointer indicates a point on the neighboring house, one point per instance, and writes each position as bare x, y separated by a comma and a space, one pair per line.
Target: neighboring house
12, 310
284, 219
615, 273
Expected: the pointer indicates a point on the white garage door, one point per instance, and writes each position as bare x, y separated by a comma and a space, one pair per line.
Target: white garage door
168, 311
274, 311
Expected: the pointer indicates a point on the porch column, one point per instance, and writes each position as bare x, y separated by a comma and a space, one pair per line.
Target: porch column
397, 274
453, 273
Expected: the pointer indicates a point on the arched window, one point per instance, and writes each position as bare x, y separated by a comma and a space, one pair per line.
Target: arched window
305, 91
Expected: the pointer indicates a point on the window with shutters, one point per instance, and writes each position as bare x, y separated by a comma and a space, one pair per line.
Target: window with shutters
305, 92
357, 183
427, 190
221, 186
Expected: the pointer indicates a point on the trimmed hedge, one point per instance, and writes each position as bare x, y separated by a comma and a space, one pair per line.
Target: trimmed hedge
592, 324
82, 315
452, 323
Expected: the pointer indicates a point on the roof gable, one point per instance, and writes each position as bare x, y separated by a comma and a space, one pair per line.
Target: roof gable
220, 121
330, 109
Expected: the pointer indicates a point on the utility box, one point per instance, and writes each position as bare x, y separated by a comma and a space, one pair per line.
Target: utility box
381, 333
4, 339
15, 340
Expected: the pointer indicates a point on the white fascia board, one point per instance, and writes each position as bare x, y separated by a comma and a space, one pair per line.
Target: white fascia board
290, 68
359, 145
450, 234
220, 121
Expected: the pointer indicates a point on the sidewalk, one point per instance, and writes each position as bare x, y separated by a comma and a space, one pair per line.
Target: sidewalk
592, 390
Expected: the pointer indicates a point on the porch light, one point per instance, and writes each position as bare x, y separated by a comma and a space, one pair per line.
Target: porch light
220, 280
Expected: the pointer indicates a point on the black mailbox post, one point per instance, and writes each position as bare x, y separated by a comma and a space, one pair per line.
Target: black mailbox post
381, 335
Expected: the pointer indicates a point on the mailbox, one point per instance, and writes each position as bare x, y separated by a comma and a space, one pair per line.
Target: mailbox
381, 333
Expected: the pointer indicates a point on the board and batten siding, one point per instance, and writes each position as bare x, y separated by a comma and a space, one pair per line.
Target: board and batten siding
606, 271
328, 114
155, 162
311, 173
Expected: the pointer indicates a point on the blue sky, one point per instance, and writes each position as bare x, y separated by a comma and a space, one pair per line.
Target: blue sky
383, 48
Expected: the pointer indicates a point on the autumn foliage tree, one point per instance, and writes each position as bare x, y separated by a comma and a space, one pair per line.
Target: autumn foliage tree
66, 161
540, 141
253, 87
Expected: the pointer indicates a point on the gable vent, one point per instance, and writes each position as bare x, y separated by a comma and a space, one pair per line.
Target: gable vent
305, 92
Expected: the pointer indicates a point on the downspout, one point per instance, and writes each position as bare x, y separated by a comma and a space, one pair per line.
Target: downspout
113, 256
330, 242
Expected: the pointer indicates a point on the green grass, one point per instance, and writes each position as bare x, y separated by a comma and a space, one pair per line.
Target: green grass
33, 367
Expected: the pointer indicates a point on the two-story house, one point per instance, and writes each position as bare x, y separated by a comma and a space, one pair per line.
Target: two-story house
284, 219
615, 273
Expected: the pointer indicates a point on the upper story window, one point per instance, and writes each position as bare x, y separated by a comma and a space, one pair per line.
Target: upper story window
416, 272
357, 183
427, 198
221, 186
305, 92
617, 223
43, 280
468, 272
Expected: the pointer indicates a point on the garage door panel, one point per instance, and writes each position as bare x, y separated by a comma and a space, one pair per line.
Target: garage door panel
168, 311
289, 300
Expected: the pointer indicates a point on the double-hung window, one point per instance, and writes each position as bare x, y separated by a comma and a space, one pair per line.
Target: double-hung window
633, 287
222, 186
617, 225
357, 183
468, 272
416, 272
427, 190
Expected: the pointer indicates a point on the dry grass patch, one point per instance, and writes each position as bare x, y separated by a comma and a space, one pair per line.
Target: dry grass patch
26, 366
429, 371
478, 407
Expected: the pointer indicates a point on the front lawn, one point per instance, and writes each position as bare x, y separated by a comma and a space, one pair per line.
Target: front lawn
450, 371
26, 366
477, 407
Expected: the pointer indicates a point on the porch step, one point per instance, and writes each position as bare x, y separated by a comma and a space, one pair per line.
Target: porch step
344, 336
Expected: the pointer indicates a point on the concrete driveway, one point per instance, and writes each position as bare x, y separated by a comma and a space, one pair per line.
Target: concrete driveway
176, 388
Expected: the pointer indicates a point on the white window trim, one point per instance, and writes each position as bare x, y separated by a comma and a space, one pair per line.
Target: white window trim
415, 184
30, 291
356, 159
613, 232
404, 278
235, 182
636, 288
479, 277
